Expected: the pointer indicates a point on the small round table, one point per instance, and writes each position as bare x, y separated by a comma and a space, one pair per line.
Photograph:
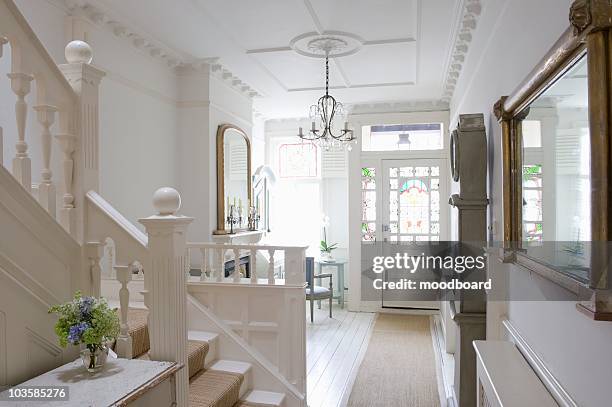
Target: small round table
339, 265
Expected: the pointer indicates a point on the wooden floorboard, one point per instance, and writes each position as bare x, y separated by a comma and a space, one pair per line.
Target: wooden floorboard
333, 346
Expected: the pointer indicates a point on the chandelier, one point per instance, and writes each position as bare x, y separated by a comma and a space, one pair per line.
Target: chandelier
328, 111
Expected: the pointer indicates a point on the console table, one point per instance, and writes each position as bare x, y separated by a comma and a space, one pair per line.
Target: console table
120, 382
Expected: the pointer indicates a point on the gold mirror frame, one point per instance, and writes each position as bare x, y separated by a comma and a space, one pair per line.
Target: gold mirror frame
221, 176
590, 32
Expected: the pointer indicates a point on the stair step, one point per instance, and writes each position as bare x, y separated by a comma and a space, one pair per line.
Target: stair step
196, 354
138, 330
214, 388
213, 341
262, 398
202, 336
231, 366
235, 367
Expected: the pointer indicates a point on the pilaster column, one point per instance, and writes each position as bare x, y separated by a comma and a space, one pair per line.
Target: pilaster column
166, 285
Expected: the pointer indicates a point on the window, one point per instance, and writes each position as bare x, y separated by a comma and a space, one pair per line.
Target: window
402, 137
368, 204
298, 160
532, 205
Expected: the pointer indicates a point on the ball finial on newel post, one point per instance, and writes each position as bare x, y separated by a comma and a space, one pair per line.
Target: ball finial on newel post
166, 201
78, 52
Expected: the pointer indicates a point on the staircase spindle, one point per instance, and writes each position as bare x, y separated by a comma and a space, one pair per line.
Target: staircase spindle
3, 40
95, 252
237, 275
204, 266
67, 214
271, 267
187, 264
253, 266
124, 341
221, 270
22, 165
46, 189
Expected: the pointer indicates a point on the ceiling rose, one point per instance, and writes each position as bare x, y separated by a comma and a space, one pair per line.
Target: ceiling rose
330, 43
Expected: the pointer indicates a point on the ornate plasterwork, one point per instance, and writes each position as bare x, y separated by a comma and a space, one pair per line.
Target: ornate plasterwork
468, 20
174, 59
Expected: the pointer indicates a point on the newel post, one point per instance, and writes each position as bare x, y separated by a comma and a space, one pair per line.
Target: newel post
166, 284
81, 165
295, 263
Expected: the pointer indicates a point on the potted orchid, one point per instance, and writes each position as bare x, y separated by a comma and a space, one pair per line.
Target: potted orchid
90, 322
325, 247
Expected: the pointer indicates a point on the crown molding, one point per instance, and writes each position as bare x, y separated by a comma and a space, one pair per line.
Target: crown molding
469, 12
179, 62
398, 107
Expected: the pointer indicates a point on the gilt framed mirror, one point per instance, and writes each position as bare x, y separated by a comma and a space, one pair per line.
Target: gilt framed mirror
557, 160
234, 191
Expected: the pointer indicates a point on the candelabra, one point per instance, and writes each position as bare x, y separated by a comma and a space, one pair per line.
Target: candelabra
234, 218
253, 219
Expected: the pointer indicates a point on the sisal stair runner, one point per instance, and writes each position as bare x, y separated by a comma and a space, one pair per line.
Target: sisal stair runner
207, 387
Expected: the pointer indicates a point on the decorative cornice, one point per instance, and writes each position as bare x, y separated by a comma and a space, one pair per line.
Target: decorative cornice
177, 61
469, 15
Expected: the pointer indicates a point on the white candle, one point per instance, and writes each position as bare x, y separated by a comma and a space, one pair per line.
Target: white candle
300, 133
313, 126
346, 126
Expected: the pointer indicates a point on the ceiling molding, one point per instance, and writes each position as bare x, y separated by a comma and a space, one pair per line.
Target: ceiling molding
467, 21
398, 107
177, 61
377, 108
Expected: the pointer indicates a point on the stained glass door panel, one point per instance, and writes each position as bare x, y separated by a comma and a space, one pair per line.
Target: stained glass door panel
413, 189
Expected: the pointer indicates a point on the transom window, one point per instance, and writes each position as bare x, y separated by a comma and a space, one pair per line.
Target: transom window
402, 137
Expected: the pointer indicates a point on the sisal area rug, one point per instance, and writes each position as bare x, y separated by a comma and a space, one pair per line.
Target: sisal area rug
399, 366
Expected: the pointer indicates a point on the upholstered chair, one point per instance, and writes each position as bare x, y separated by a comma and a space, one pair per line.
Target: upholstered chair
317, 292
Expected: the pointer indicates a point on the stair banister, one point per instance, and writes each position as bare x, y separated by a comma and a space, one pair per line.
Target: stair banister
166, 284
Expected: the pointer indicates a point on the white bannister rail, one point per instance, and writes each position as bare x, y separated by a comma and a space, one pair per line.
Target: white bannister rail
214, 256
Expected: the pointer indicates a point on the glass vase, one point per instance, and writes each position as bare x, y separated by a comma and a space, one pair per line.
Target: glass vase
93, 358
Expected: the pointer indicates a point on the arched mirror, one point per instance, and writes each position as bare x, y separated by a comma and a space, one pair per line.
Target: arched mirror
233, 179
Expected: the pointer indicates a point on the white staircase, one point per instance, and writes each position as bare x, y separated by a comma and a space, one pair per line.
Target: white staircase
55, 227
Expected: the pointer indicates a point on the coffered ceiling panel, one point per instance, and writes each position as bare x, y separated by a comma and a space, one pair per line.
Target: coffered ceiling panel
295, 72
381, 65
371, 19
261, 23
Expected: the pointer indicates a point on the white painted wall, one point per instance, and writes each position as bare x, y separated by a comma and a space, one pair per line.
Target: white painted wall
512, 36
205, 102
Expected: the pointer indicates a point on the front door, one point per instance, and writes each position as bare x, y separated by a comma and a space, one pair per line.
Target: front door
414, 194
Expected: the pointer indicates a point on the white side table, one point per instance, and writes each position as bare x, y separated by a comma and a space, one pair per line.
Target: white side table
339, 265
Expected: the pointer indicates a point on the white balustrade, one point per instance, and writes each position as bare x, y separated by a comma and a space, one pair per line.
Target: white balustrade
95, 252
46, 189
67, 215
293, 266
22, 165
271, 266
124, 340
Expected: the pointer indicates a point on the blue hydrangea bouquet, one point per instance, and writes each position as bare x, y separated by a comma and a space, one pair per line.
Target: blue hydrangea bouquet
87, 321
